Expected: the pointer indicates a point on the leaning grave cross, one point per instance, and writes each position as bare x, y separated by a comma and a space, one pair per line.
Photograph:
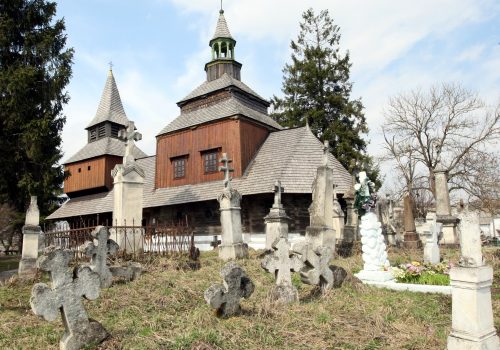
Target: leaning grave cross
280, 263
316, 269
98, 254
64, 297
226, 298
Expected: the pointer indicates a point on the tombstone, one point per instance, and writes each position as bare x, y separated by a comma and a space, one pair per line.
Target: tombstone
280, 262
443, 208
99, 253
411, 237
277, 220
65, 297
431, 248
226, 298
31, 235
472, 324
316, 269
128, 187
376, 265
470, 236
130, 271
232, 246
338, 220
320, 232
351, 225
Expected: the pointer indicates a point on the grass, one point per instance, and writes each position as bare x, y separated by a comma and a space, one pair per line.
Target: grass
165, 309
9, 262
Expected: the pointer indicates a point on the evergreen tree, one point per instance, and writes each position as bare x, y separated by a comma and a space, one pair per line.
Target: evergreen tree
35, 67
317, 90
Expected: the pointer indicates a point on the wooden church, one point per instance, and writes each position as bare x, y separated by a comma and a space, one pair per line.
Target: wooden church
222, 115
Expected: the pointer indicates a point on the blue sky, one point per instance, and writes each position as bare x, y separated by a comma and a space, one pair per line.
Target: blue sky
159, 48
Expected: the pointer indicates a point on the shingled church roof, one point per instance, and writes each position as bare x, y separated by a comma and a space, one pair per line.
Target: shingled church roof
107, 145
222, 30
291, 156
111, 107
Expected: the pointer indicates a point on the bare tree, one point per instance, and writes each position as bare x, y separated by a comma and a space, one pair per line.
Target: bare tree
448, 125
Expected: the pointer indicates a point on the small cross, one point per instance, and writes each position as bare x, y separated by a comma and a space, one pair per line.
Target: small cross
326, 149
226, 169
316, 270
226, 298
281, 262
110, 65
278, 190
68, 287
98, 254
129, 136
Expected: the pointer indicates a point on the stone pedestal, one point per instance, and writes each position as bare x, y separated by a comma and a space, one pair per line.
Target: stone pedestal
277, 220
232, 246
411, 238
374, 250
127, 209
31, 235
472, 316
443, 208
320, 232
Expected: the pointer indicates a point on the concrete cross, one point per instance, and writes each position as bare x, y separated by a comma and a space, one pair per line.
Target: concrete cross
316, 270
64, 297
98, 254
226, 298
278, 190
280, 262
226, 169
326, 149
129, 136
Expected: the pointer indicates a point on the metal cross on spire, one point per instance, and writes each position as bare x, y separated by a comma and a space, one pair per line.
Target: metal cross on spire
226, 169
129, 136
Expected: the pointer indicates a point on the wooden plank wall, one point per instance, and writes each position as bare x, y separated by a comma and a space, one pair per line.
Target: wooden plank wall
99, 174
225, 135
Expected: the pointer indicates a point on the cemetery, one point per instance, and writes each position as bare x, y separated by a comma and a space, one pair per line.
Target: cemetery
241, 233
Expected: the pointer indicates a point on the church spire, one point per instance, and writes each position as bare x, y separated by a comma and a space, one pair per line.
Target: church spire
222, 46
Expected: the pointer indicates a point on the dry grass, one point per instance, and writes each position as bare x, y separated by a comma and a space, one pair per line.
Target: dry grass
164, 309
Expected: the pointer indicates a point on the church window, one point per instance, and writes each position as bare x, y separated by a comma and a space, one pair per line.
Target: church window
88, 168
114, 130
101, 132
210, 161
93, 134
79, 170
179, 166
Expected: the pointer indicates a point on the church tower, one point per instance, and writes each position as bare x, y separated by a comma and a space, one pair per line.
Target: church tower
222, 45
90, 168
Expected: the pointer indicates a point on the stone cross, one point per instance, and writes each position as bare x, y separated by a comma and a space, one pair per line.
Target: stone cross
226, 298
326, 149
64, 297
278, 190
316, 270
431, 248
226, 169
98, 254
129, 136
32, 214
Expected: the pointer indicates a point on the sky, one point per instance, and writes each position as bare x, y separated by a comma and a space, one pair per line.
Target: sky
158, 49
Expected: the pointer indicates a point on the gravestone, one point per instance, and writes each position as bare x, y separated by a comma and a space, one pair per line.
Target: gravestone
225, 298
277, 220
320, 232
128, 188
431, 248
376, 264
232, 246
443, 208
338, 220
130, 271
411, 238
280, 262
316, 269
351, 225
68, 287
472, 324
31, 235
470, 236
99, 253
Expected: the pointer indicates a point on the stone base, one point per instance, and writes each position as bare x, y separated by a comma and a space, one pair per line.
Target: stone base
94, 334
412, 241
378, 276
472, 313
284, 294
27, 267
462, 341
129, 272
350, 233
234, 251
449, 232
321, 236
